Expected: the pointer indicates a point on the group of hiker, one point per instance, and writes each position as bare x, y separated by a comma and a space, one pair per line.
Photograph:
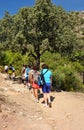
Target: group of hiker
35, 80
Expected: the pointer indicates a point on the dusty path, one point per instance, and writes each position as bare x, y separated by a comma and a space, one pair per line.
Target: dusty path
19, 111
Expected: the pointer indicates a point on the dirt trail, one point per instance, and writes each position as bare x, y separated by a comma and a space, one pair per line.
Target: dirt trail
19, 111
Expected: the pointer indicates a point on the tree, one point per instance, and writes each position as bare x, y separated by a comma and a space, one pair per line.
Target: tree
21, 29
40, 28
50, 30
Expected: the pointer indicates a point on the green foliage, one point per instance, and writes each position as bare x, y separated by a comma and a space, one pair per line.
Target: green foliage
1, 69
78, 67
7, 57
66, 79
64, 72
17, 60
44, 27
13, 58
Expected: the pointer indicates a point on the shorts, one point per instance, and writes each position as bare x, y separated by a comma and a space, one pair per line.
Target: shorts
46, 88
26, 79
35, 86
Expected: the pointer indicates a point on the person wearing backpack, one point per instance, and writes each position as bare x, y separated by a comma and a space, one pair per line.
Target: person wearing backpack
46, 76
35, 85
10, 71
27, 69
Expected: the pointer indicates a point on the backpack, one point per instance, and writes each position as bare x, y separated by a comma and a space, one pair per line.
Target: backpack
30, 76
35, 77
42, 77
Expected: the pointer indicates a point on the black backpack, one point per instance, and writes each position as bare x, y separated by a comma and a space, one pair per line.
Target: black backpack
42, 77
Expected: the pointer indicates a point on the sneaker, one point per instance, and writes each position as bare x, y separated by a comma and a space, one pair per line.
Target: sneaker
33, 96
45, 105
50, 104
37, 100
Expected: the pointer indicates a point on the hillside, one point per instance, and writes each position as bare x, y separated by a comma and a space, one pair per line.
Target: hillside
19, 111
80, 24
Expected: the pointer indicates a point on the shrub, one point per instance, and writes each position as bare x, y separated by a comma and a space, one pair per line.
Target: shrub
64, 77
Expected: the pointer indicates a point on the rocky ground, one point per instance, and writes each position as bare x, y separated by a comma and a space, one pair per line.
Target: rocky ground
19, 111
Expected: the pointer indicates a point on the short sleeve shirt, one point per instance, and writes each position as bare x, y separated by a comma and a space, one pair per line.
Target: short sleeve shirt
47, 75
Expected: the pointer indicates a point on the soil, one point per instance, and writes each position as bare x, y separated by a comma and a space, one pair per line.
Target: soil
19, 111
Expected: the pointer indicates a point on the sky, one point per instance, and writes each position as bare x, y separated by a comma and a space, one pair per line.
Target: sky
13, 6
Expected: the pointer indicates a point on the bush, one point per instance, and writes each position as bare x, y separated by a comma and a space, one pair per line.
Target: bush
58, 79
78, 67
17, 60
64, 77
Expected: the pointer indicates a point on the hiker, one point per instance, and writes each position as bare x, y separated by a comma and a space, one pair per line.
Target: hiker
27, 69
10, 71
23, 77
30, 77
35, 85
13, 74
47, 83
6, 68
23, 73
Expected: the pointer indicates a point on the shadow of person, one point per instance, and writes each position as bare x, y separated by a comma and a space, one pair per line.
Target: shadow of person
52, 98
40, 95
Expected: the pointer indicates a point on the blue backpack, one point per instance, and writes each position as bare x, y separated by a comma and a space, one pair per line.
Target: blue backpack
41, 79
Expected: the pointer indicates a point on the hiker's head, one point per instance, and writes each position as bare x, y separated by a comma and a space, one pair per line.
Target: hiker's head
44, 66
35, 67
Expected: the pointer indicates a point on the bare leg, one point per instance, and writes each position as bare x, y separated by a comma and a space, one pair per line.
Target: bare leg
49, 100
36, 93
45, 98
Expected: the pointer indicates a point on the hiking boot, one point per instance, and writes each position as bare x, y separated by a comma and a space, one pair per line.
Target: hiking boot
49, 104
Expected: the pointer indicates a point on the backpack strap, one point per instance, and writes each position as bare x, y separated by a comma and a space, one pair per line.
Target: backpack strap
44, 73
42, 76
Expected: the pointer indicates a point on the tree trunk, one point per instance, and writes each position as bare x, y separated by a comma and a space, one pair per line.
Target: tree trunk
38, 57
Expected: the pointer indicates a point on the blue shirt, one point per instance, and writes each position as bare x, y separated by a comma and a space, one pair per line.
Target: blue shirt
27, 71
47, 75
